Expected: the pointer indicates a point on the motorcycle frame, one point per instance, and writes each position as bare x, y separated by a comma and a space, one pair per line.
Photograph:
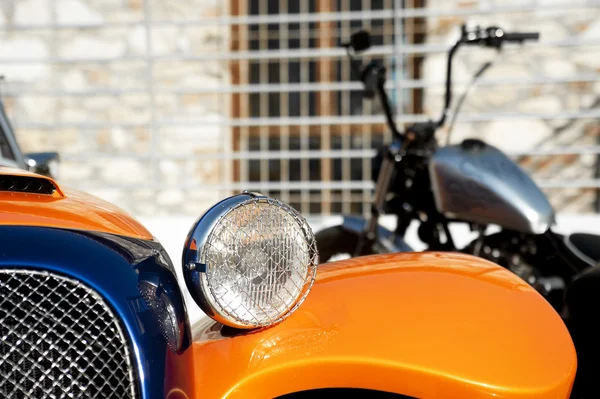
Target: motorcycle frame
395, 152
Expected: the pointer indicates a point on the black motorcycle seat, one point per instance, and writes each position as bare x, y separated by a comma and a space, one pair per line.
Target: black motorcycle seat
585, 246
582, 299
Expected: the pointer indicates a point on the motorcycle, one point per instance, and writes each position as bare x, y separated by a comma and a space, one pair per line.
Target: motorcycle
477, 184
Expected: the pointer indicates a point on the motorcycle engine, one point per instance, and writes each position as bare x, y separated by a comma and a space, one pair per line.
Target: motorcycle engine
515, 254
512, 262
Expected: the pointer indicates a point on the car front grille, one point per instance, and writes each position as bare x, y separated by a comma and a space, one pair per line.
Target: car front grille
59, 339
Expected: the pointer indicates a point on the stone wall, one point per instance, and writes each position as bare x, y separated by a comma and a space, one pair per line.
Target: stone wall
138, 116
82, 78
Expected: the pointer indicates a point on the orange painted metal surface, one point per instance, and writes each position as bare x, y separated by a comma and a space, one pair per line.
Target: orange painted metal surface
428, 325
66, 209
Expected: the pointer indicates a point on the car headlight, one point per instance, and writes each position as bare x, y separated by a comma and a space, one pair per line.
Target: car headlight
250, 261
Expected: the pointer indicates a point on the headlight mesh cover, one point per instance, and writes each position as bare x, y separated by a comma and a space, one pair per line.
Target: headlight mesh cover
59, 339
261, 262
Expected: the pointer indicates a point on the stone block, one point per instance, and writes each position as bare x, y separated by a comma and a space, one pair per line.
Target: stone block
123, 141
92, 47
40, 109
76, 12
170, 198
557, 68
544, 104
190, 74
72, 172
24, 48
194, 140
168, 40
514, 135
73, 80
123, 171
128, 75
32, 12
136, 39
198, 201
591, 30
186, 9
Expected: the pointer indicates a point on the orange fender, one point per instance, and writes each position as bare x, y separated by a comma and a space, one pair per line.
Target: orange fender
65, 209
426, 325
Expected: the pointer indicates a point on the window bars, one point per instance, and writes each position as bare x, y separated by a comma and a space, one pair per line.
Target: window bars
224, 96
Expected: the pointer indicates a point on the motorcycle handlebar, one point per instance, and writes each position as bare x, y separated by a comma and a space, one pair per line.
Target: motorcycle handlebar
373, 76
490, 37
370, 77
520, 36
494, 37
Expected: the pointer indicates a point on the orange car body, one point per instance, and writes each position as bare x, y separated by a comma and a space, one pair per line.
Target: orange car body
65, 209
426, 325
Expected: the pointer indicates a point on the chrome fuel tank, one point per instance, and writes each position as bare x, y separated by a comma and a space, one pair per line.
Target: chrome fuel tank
476, 182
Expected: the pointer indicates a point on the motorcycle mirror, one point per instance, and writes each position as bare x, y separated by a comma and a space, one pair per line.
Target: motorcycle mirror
43, 163
360, 41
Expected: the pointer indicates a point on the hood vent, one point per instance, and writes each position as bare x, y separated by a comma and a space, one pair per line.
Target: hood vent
26, 184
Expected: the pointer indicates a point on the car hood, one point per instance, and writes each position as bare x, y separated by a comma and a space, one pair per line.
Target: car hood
64, 208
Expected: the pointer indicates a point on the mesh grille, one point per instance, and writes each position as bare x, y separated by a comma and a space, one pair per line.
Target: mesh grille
59, 340
261, 261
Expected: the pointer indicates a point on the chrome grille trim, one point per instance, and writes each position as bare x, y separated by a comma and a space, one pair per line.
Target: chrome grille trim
65, 361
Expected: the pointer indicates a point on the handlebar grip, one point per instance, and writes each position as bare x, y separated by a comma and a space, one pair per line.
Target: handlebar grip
371, 77
520, 36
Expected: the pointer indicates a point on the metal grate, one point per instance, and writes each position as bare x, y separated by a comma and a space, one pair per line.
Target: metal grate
59, 339
295, 95
257, 95
261, 261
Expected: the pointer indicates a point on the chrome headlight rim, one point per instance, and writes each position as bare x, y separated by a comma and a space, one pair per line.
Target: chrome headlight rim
194, 253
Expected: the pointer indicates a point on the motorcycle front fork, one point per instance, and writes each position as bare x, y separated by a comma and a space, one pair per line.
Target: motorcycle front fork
369, 234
